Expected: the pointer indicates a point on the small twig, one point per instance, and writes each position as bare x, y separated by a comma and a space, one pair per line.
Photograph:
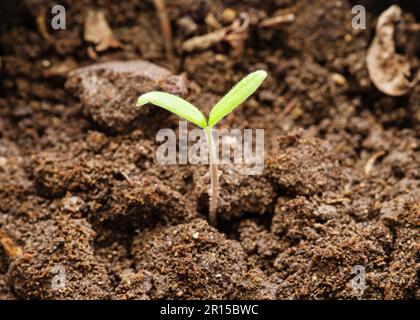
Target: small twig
166, 29
205, 41
280, 19
235, 35
337, 200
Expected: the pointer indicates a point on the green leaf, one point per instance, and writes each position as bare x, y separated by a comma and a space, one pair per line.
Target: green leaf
175, 105
236, 96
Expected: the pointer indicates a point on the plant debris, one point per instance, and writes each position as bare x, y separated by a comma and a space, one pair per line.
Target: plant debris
42, 26
235, 34
389, 70
371, 161
9, 246
277, 20
97, 31
165, 26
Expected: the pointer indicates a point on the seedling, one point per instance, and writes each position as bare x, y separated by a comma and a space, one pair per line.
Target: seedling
186, 110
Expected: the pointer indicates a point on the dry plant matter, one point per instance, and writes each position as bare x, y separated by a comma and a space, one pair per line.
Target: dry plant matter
388, 70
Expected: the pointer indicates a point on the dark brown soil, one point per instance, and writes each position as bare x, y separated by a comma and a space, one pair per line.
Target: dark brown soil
80, 188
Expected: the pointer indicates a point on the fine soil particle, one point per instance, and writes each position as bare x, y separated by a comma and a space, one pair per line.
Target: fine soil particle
86, 211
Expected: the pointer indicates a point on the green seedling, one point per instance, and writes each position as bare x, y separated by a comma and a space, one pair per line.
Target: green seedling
186, 110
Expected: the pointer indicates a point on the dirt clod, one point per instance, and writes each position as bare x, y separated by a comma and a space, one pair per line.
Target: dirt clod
106, 97
174, 254
59, 262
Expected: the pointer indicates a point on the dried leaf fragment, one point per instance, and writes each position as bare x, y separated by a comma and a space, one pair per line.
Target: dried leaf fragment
388, 70
97, 31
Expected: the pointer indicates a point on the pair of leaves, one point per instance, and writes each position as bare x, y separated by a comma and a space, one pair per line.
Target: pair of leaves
186, 110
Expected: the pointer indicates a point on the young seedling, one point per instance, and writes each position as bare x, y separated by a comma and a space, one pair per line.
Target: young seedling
186, 110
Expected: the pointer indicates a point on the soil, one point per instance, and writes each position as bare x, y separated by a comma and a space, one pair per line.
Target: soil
82, 193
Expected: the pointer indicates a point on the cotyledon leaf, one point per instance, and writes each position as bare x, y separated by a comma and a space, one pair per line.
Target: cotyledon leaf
174, 104
236, 96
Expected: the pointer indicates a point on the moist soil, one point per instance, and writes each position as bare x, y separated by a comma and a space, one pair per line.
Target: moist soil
86, 211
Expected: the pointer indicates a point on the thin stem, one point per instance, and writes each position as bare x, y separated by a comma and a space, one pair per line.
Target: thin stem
214, 178
165, 25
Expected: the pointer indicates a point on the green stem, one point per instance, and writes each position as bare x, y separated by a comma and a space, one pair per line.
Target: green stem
214, 178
